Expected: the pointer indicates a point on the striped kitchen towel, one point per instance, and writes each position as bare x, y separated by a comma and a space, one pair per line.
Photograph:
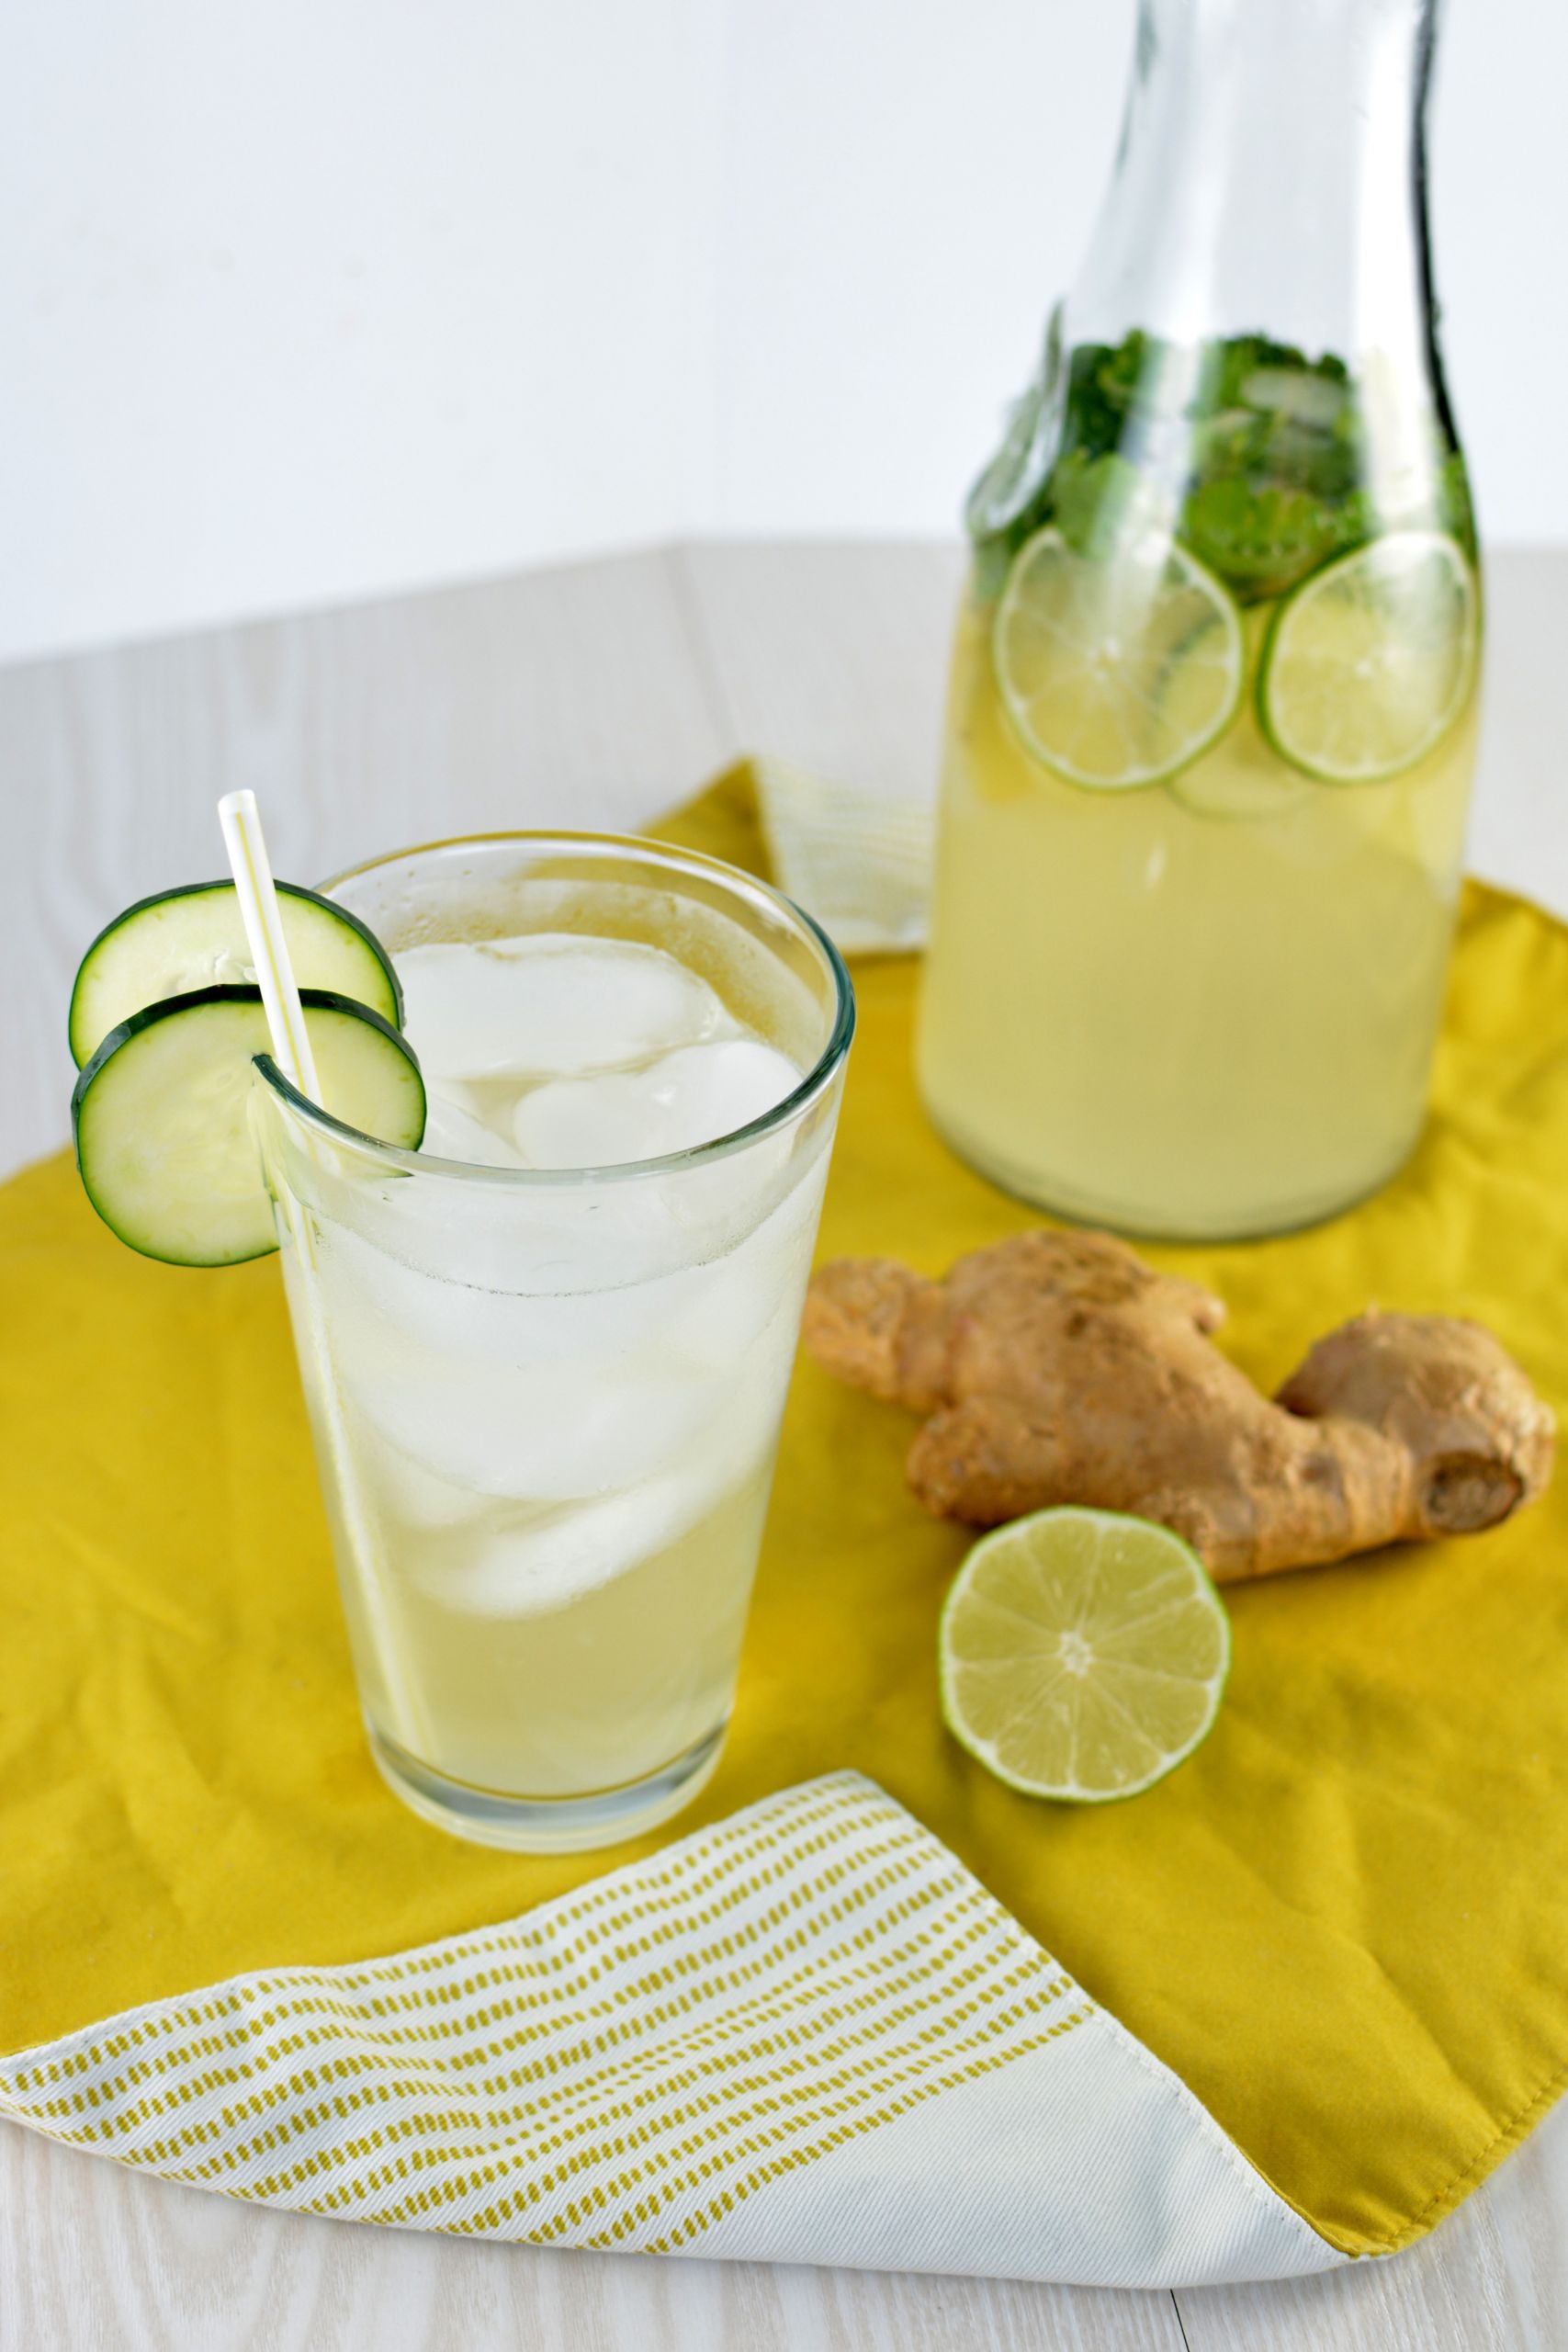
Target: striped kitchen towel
805, 2034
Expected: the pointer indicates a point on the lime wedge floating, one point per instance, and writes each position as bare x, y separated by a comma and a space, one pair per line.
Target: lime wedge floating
1083, 1654
1116, 674
1248, 792
161, 1115
1371, 660
194, 938
1244, 779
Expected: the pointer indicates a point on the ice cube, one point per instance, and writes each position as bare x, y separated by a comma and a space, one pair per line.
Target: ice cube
381, 1309
548, 1003
408, 1501
755, 1290
690, 1096
513, 1563
524, 1566
514, 1240
453, 1130
537, 1434
626, 1275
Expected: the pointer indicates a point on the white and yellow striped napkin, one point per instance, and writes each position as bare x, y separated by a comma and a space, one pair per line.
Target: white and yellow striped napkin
807, 2035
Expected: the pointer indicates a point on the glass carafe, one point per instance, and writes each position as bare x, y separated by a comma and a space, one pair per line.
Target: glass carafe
1212, 712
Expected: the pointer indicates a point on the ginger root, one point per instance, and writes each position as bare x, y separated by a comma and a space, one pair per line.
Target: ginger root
1057, 1367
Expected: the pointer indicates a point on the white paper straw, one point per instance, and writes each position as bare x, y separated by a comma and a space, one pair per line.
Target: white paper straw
252, 869
258, 892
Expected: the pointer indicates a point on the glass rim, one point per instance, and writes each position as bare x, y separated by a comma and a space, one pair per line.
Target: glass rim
813, 1083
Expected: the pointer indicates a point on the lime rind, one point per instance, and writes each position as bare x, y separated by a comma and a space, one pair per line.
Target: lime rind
1349, 580
1023, 1650
1094, 661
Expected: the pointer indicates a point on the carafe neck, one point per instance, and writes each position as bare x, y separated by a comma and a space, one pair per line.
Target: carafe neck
1270, 176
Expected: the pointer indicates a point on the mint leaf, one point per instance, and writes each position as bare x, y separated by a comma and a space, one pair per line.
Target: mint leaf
1257, 454
1260, 541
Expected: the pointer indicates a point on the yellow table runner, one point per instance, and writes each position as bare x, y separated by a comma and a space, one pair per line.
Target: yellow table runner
1344, 1924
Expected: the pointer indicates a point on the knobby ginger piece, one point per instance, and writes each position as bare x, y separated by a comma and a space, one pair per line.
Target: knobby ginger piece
1058, 1368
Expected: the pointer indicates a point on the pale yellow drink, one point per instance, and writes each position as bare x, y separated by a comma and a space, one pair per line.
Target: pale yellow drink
1208, 748
1144, 1011
546, 1357
593, 1689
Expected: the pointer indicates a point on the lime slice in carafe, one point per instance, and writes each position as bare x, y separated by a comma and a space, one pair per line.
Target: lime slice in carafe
1116, 673
1368, 664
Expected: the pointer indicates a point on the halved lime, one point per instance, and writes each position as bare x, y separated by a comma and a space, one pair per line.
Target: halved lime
1117, 673
1083, 1654
1368, 664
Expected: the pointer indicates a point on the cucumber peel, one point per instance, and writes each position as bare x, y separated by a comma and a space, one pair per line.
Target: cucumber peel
161, 1115
193, 937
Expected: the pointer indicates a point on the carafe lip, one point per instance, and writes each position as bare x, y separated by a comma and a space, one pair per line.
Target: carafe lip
394, 1159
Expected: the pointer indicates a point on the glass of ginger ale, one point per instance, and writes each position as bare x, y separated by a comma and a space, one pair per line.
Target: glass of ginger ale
1214, 690
545, 1356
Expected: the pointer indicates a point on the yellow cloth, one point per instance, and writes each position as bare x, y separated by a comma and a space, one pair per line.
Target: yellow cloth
1345, 1923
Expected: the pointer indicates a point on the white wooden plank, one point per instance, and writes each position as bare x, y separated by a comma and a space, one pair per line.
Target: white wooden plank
91, 2254
832, 657
1493, 2278
1519, 832
564, 697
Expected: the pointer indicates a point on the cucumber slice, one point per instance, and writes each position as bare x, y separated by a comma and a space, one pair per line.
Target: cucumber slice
194, 938
160, 1116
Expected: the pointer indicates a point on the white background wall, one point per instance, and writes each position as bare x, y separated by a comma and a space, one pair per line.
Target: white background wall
313, 298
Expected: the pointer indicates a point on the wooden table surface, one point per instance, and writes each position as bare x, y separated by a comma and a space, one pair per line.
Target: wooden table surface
595, 695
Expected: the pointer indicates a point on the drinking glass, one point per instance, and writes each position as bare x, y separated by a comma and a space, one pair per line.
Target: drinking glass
545, 1403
